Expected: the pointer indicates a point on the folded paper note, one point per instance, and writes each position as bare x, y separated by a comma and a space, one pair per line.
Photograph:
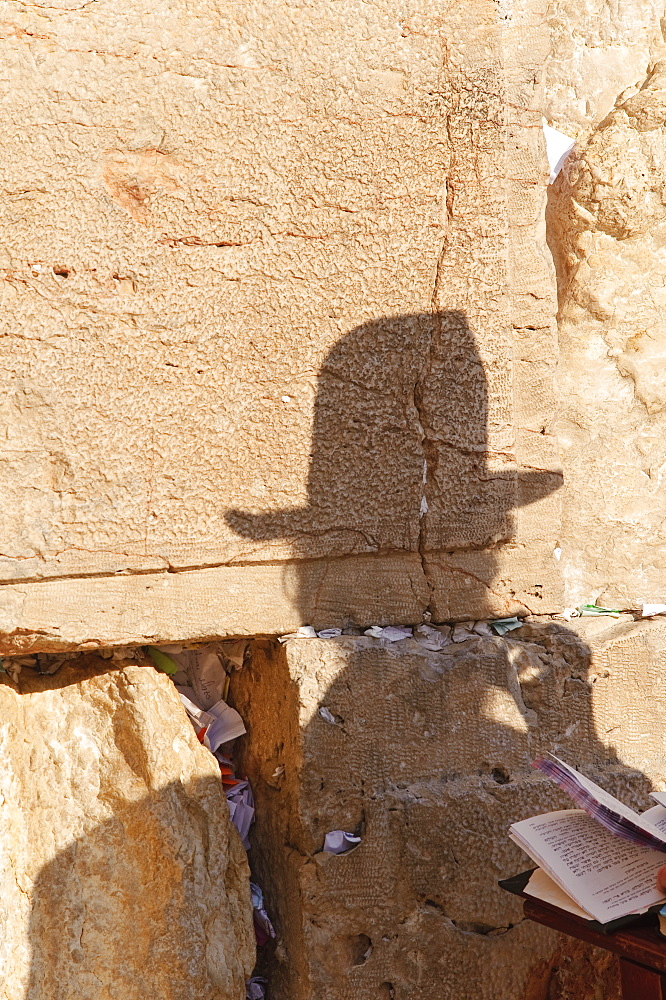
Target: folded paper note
394, 633
227, 725
558, 147
653, 609
304, 632
503, 625
241, 809
594, 611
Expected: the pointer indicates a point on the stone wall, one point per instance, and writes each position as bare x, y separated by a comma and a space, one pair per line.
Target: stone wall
278, 310
606, 86
278, 329
428, 758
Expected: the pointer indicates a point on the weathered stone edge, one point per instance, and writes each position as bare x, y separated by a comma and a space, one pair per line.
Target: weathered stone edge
247, 600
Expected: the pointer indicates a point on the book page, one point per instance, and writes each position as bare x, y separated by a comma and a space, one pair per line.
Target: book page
607, 876
606, 799
542, 887
657, 816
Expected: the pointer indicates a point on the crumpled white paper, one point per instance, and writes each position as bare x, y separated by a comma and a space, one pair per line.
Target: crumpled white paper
394, 633
221, 721
234, 651
567, 614
261, 917
241, 809
11, 668
228, 725
327, 715
339, 842
304, 632
432, 638
205, 673
199, 718
255, 988
462, 631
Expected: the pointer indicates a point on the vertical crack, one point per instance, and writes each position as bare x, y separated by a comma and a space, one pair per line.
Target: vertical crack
425, 484
428, 447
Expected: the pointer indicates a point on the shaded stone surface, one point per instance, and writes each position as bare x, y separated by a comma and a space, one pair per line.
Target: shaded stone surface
120, 872
429, 759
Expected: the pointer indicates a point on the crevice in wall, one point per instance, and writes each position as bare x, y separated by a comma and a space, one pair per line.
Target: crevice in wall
423, 510
267, 699
264, 755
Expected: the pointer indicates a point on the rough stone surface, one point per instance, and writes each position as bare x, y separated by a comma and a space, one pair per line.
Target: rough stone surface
201, 604
276, 292
606, 229
120, 873
429, 758
598, 51
279, 349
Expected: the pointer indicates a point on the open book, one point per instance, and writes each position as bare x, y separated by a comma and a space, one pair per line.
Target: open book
602, 858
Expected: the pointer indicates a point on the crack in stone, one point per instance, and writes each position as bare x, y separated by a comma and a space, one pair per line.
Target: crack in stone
427, 443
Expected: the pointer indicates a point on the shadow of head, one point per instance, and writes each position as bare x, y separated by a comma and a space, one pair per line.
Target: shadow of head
408, 451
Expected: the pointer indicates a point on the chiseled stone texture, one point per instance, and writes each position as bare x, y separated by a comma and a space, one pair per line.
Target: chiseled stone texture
276, 292
120, 872
205, 603
607, 223
429, 758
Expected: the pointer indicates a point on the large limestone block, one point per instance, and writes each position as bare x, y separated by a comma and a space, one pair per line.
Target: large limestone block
429, 758
266, 269
607, 223
208, 603
120, 873
492, 473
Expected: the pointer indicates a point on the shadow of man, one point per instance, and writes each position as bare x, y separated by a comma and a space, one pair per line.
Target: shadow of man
426, 754
405, 458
